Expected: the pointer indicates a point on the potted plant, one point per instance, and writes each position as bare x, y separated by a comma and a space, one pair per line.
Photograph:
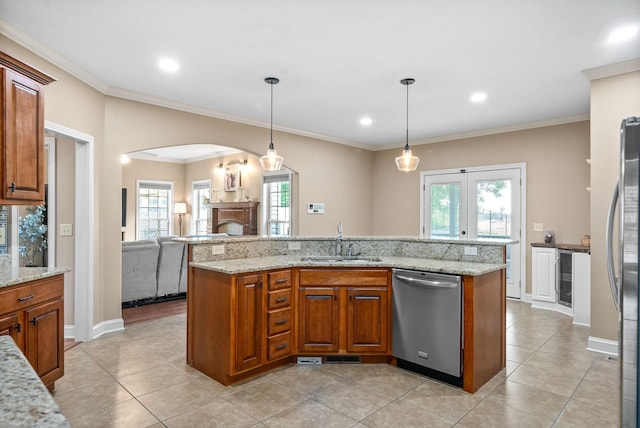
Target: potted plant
32, 234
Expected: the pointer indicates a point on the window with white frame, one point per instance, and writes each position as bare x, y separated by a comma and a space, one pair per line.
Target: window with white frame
277, 192
153, 209
201, 196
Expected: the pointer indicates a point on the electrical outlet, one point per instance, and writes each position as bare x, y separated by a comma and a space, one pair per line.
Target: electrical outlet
470, 251
538, 227
66, 230
217, 249
294, 245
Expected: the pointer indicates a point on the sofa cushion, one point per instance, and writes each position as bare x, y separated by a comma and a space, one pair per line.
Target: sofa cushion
170, 266
139, 269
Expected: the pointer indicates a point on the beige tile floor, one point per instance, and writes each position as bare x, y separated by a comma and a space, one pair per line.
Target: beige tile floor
138, 378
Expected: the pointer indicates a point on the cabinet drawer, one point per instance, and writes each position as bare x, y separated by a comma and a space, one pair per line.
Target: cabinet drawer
280, 279
22, 296
279, 321
279, 299
279, 346
343, 277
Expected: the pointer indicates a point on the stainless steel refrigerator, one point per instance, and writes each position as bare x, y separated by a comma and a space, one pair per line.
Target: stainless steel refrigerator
624, 288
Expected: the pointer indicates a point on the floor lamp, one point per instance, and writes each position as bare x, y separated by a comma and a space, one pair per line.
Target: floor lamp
180, 208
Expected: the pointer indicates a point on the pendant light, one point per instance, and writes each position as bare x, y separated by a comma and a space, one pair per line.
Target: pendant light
407, 162
271, 161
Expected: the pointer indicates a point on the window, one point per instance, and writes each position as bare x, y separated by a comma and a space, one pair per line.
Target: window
153, 207
201, 195
277, 191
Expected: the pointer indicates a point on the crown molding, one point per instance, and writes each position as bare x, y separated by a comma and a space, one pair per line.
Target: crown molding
612, 69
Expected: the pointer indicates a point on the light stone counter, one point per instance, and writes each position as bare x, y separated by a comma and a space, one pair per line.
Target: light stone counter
14, 276
254, 264
24, 400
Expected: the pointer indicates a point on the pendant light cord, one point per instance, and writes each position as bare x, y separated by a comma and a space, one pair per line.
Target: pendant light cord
407, 142
271, 137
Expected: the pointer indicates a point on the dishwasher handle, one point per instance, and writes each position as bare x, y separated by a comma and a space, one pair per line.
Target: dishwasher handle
427, 282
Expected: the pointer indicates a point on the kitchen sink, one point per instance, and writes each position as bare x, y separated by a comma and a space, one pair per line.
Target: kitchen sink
341, 259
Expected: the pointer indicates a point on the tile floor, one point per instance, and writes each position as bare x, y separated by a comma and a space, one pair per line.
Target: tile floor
138, 378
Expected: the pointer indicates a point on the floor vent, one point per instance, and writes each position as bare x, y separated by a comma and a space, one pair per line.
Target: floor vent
310, 360
342, 359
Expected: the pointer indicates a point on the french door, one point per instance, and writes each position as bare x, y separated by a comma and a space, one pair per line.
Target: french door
478, 203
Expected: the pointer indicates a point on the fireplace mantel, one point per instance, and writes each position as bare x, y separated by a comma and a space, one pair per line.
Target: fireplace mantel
229, 216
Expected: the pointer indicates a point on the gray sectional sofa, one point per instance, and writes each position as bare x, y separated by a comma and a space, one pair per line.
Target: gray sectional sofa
154, 268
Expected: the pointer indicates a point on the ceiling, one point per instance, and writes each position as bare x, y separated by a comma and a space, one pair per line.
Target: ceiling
339, 61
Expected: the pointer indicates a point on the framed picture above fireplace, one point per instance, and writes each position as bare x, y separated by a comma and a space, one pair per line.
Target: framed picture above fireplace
232, 177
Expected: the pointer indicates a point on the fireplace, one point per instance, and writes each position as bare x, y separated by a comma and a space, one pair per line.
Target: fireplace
235, 218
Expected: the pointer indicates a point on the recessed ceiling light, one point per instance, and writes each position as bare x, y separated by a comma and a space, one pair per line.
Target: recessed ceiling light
124, 159
366, 121
622, 34
168, 64
478, 97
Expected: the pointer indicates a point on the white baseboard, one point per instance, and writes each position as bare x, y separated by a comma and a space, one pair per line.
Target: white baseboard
603, 346
108, 326
527, 298
98, 330
69, 331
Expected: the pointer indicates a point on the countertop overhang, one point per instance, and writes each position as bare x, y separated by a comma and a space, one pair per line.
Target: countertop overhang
24, 400
254, 264
15, 276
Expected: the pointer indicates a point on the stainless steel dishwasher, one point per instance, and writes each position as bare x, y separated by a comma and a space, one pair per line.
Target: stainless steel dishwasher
427, 323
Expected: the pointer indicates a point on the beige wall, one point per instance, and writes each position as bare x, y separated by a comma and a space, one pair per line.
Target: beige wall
65, 214
153, 171
612, 99
557, 178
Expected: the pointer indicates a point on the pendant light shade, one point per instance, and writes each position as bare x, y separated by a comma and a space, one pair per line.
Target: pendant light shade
271, 161
407, 162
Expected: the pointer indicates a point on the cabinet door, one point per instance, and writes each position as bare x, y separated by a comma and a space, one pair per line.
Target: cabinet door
23, 138
367, 320
10, 325
45, 340
248, 338
319, 320
543, 274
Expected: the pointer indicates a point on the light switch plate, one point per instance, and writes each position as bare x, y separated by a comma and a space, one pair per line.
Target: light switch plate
66, 230
538, 227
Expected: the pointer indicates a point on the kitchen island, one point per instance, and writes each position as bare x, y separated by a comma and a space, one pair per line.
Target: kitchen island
255, 304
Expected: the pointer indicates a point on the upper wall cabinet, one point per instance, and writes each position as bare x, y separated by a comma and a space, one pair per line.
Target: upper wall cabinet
22, 132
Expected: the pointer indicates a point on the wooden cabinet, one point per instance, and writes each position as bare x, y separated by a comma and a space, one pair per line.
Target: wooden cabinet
22, 132
343, 311
236, 327
279, 315
33, 314
248, 328
234, 218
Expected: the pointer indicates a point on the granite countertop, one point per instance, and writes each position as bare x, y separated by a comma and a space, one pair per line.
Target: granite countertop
573, 247
24, 400
251, 238
15, 276
236, 266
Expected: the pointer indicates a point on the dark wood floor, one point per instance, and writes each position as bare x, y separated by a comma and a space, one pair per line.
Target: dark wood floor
144, 313
153, 311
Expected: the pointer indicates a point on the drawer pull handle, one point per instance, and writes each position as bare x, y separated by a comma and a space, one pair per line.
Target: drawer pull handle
281, 281
282, 299
25, 298
283, 321
282, 346
13, 186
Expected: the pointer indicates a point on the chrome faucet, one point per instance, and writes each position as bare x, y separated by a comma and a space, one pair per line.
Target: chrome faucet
339, 240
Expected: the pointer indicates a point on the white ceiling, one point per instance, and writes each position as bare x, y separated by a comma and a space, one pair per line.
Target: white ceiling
339, 60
